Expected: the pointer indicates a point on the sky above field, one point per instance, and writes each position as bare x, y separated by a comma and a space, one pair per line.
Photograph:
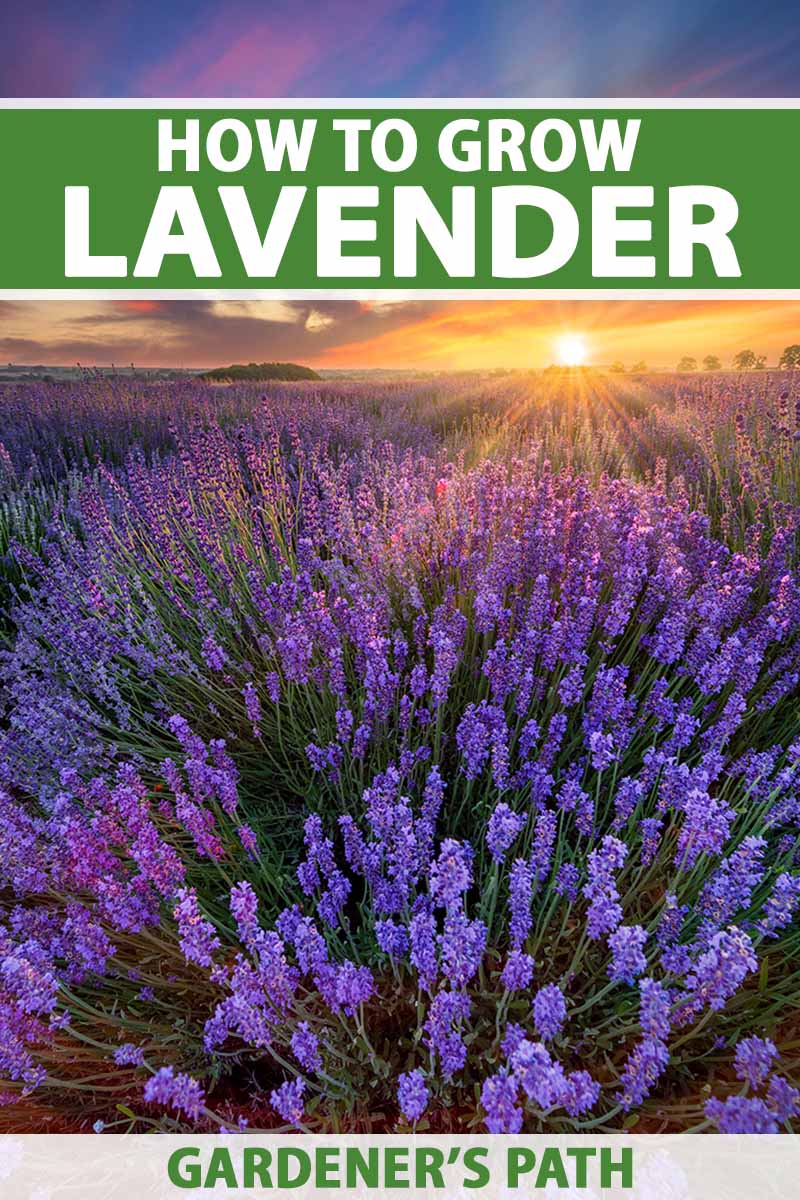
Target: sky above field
426, 335
386, 48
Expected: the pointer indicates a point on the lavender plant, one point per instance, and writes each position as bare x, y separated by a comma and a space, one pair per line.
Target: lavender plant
356, 773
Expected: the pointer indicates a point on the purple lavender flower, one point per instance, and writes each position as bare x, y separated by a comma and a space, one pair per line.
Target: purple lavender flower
544, 838
650, 833
247, 837
753, 1060
567, 881
213, 653
605, 911
422, 934
602, 749
783, 1099
159, 1089
443, 1025
272, 682
412, 1094
644, 1065
781, 905
570, 796
513, 1037
361, 739
287, 1100
252, 706
391, 937
462, 945
244, 907
344, 724
305, 1048
354, 987
732, 884
27, 975
706, 827
671, 920
655, 1004
499, 1099
199, 939
529, 736
627, 954
319, 871
180, 1092
129, 1055
474, 737
451, 874
555, 735
628, 796
542, 1079
570, 689
518, 971
519, 902
581, 1093
741, 1114
504, 826
610, 857
418, 681
721, 969
549, 1011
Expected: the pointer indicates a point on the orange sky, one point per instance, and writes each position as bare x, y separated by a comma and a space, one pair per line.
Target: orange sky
522, 333
416, 334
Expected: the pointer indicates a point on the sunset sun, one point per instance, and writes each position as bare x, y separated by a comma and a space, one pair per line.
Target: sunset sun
571, 350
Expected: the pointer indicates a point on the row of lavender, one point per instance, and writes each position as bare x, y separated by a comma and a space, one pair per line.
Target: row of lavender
427, 754
729, 437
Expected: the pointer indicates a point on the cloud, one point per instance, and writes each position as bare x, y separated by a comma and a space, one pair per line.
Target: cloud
317, 321
330, 49
279, 311
42, 59
189, 332
87, 351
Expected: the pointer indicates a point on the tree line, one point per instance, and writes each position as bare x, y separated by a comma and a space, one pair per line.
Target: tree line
745, 360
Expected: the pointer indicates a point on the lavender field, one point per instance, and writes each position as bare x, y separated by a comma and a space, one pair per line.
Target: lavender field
414, 753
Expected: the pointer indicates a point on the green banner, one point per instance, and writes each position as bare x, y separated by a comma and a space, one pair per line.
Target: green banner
338, 198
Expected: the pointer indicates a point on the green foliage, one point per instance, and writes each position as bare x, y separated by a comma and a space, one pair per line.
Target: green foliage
254, 372
745, 360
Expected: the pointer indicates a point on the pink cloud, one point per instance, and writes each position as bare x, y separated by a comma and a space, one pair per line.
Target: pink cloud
51, 54
283, 53
696, 81
263, 60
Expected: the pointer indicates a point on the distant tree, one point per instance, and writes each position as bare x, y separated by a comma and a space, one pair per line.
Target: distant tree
617, 368
760, 363
639, 368
711, 362
687, 363
745, 360
790, 359
260, 371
